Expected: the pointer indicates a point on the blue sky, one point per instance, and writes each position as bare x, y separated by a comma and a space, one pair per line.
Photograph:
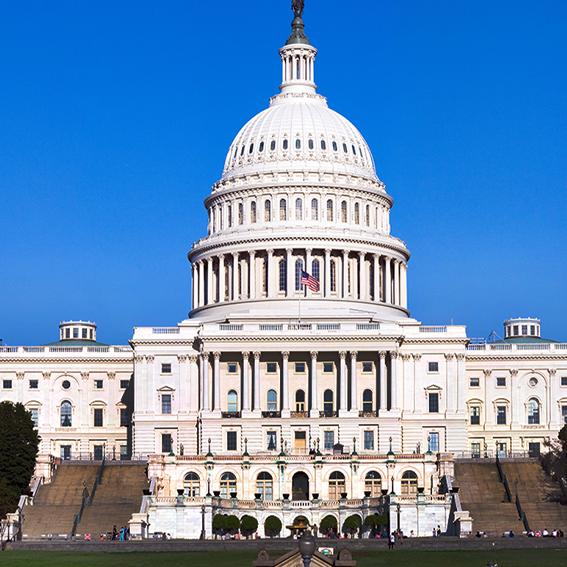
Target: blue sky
115, 119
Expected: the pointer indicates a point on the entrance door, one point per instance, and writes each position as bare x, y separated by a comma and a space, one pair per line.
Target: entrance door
501, 448
300, 486
65, 452
300, 444
98, 452
534, 450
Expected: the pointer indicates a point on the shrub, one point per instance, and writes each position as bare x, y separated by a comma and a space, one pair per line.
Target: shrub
232, 524
248, 525
328, 524
219, 524
272, 526
351, 525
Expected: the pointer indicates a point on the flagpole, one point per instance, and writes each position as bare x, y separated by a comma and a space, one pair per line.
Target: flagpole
299, 320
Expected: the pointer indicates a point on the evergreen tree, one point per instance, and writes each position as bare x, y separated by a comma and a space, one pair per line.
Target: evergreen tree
19, 442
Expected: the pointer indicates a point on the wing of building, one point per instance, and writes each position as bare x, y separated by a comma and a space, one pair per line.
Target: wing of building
299, 385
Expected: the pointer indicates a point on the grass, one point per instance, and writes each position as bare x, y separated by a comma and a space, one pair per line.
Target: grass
397, 558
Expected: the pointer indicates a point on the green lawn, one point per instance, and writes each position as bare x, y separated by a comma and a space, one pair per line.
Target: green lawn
505, 558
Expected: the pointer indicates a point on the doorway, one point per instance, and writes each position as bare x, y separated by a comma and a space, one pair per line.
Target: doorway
300, 486
300, 442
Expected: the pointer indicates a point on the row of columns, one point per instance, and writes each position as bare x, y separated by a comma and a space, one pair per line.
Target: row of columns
245, 281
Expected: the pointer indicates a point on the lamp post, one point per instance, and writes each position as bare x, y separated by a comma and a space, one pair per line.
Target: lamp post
202, 536
306, 547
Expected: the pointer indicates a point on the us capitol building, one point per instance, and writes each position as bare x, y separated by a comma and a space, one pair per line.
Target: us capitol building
287, 395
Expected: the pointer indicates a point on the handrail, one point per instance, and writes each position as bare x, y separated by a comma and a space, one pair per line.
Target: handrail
97, 479
503, 478
521, 512
77, 517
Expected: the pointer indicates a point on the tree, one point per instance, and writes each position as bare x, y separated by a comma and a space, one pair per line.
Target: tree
19, 442
328, 524
219, 524
248, 525
374, 522
555, 460
351, 525
232, 524
272, 526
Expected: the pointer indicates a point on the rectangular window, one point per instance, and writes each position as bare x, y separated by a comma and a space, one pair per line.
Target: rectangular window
564, 380
98, 452
66, 450
501, 415
124, 417
166, 403
166, 443
75, 333
329, 440
271, 441
232, 368
166, 368
231, 441
124, 384
564, 414
98, 384
434, 442
84, 333
328, 367
475, 450
433, 403
35, 416
475, 383
501, 382
532, 330
475, 416
433, 367
524, 329
534, 450
34, 384
271, 367
7, 384
300, 367
515, 330
98, 417
367, 367
369, 440
124, 452
67, 336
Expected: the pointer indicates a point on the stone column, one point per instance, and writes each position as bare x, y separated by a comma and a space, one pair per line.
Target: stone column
396, 298
308, 267
343, 382
216, 381
235, 294
244, 270
210, 281
461, 384
376, 277
450, 384
314, 393
383, 382
516, 404
387, 280
193, 384
553, 415
201, 268
271, 283
363, 279
353, 382
394, 380
205, 381
345, 273
404, 285
327, 272
489, 395
285, 381
245, 382
221, 278
253, 282
290, 273
417, 381
408, 385
257, 405
194, 285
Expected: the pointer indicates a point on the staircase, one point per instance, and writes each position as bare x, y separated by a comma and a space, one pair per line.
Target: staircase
56, 504
539, 496
484, 496
117, 497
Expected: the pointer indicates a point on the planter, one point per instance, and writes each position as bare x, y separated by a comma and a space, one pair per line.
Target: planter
285, 495
315, 495
367, 494
180, 492
258, 495
343, 495
233, 494
216, 493
420, 489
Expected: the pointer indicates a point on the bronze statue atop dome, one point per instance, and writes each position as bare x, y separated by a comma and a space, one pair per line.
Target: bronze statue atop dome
298, 6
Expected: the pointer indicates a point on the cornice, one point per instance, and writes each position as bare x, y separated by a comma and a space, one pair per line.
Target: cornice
34, 360
231, 338
452, 341
548, 356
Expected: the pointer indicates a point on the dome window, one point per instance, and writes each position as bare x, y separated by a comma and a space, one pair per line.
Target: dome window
240, 213
357, 213
298, 209
253, 211
335, 148
367, 217
311, 144
261, 148
314, 209
343, 211
285, 144
323, 145
273, 145
345, 149
235, 153
283, 210
330, 210
298, 144
242, 151
267, 211
251, 148
353, 150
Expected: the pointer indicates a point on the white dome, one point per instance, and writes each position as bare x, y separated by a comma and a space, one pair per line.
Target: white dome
299, 132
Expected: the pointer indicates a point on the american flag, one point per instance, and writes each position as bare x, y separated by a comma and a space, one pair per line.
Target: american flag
309, 281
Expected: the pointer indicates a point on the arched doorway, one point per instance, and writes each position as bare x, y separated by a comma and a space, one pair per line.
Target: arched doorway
300, 486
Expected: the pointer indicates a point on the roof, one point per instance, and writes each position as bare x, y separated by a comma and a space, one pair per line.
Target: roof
76, 342
523, 340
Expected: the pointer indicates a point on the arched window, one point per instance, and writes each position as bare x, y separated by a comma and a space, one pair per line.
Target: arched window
409, 483
267, 211
311, 144
333, 270
298, 270
272, 400
316, 269
371, 281
300, 400
367, 217
191, 485
367, 404
66, 414
285, 144
265, 486
335, 148
373, 484
232, 401
214, 217
328, 401
221, 217
298, 209
323, 145
343, 211
314, 209
336, 485
272, 145
330, 210
297, 144
264, 276
227, 484
240, 213
253, 211
356, 213
533, 412
229, 216
283, 209
283, 275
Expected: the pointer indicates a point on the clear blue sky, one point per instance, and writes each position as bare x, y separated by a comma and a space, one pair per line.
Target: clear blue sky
115, 118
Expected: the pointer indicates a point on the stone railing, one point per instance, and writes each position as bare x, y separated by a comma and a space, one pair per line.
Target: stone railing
65, 349
515, 347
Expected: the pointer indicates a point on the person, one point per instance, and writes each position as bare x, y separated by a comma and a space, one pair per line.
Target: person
101, 537
511, 533
478, 534
392, 542
114, 533
545, 533
411, 534
438, 531
434, 532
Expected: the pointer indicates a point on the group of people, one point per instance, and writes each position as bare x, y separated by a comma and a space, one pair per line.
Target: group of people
545, 533
121, 535
398, 535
